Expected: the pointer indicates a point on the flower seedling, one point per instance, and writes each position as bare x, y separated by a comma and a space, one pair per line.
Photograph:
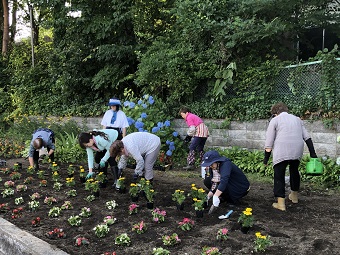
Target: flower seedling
158, 215
193, 191
9, 184
133, 209
178, 196
91, 185
109, 220
139, 228
67, 205
19, 201
36, 222
70, 182
186, 224
50, 200
74, 220
222, 234
55, 176
149, 192
17, 213
198, 204
121, 183
28, 180
30, 170
21, 188
4, 208
57, 186
111, 204
246, 218
35, 196
171, 240
79, 241
101, 177
56, 233
41, 174
33, 205
123, 240
71, 193
134, 189
7, 192
43, 183
85, 212
160, 251
101, 230
90, 198
210, 251
82, 172
54, 212
15, 176
54, 167
70, 170
262, 242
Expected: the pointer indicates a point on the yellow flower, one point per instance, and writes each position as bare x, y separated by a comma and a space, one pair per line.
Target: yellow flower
249, 209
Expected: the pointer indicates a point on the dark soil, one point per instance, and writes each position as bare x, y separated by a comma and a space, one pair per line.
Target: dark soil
309, 227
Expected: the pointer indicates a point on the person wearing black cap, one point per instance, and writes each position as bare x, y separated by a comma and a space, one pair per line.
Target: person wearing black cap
115, 118
224, 179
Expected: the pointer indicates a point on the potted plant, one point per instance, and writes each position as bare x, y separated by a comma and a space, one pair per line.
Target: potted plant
82, 174
171, 240
92, 186
133, 209
222, 234
101, 230
178, 196
70, 170
198, 205
158, 215
120, 185
139, 228
186, 224
149, 194
134, 191
246, 220
123, 240
102, 180
262, 242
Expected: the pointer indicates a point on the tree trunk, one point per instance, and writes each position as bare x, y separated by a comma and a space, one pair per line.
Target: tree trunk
5, 35
13, 27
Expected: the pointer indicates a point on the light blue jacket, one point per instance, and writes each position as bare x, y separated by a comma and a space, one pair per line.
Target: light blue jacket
102, 145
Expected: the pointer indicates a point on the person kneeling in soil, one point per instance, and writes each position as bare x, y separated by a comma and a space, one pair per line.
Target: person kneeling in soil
99, 141
42, 137
143, 147
224, 179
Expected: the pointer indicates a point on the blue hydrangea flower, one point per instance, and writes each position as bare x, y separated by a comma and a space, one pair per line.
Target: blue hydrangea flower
169, 153
139, 124
172, 143
151, 101
167, 142
132, 105
167, 123
172, 147
140, 101
155, 129
126, 103
130, 121
160, 124
143, 115
175, 134
141, 130
144, 106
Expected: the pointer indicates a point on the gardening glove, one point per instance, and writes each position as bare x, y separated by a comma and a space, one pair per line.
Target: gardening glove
89, 175
102, 164
216, 201
311, 149
266, 157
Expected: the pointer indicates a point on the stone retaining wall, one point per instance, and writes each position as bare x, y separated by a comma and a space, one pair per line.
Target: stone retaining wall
250, 135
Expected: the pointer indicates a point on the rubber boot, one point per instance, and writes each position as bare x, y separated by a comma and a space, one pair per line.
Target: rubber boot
280, 205
293, 196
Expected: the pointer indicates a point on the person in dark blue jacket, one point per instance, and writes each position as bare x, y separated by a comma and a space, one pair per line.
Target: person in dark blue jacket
224, 179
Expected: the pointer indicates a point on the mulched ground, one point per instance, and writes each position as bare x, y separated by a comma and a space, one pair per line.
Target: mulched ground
310, 227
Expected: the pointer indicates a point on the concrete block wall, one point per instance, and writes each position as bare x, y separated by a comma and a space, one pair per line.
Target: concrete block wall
250, 135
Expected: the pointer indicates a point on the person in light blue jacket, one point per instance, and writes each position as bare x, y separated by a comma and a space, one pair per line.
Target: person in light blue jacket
98, 141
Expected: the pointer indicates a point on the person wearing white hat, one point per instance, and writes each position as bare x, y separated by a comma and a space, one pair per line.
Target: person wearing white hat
114, 118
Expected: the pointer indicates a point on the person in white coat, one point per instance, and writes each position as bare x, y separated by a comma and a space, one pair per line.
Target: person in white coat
143, 147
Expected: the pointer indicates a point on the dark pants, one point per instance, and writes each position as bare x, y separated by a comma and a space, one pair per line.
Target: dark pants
279, 177
197, 144
100, 154
120, 134
224, 196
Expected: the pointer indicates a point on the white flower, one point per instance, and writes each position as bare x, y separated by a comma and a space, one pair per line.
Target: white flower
338, 161
111, 204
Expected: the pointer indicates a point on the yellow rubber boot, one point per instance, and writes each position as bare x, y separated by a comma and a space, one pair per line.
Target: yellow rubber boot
280, 205
293, 196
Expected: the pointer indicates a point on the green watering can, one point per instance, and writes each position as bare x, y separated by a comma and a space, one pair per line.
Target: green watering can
314, 167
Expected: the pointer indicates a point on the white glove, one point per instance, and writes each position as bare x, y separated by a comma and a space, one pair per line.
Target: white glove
203, 172
216, 201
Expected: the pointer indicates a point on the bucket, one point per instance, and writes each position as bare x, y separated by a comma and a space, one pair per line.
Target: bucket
314, 167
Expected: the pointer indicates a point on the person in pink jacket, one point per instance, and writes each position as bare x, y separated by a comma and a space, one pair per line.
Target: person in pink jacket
199, 132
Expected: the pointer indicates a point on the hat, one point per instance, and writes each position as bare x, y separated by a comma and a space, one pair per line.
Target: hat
114, 101
211, 157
